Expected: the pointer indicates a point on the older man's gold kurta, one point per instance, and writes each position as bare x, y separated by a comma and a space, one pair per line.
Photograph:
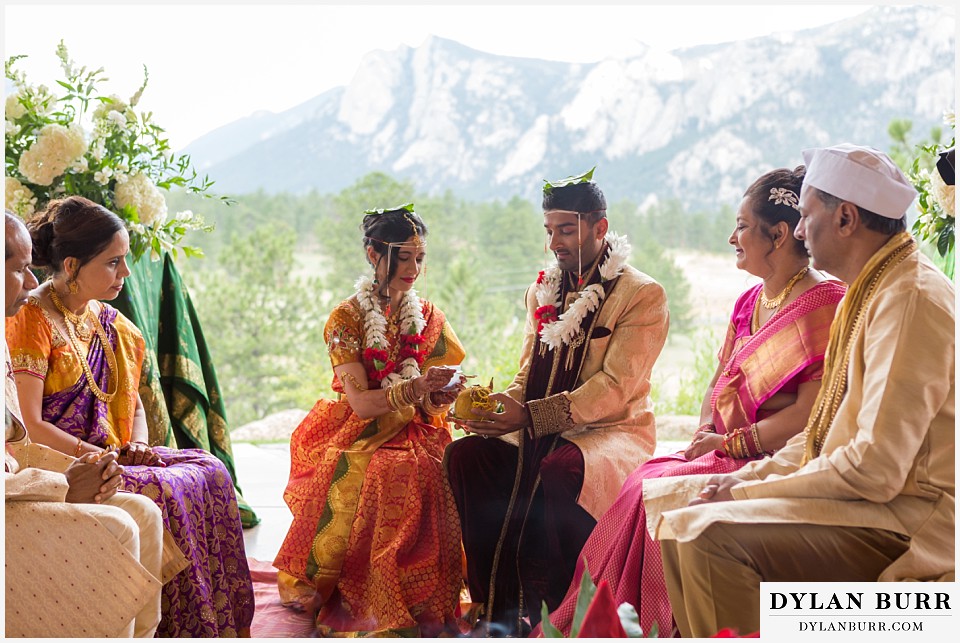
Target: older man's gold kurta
610, 416
888, 459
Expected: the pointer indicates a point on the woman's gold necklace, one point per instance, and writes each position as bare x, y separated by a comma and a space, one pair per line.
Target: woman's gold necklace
770, 304
79, 322
775, 302
70, 321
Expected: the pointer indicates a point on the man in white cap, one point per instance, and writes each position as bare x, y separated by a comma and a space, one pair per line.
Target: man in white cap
866, 492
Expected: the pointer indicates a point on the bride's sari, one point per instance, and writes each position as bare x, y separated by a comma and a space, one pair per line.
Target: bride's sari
785, 352
209, 592
375, 538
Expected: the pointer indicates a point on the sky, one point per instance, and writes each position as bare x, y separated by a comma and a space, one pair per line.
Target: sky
211, 64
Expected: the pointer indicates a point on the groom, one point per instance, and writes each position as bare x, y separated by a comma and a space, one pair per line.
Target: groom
575, 421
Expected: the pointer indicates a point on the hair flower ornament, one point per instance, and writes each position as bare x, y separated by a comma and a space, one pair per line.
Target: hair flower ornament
783, 196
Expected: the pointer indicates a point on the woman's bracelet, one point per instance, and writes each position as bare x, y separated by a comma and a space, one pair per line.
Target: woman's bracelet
706, 427
743, 442
432, 409
79, 448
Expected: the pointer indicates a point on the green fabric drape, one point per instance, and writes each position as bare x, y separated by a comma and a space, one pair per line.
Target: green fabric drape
178, 385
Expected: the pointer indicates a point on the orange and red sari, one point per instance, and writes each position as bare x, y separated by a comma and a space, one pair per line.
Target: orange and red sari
375, 538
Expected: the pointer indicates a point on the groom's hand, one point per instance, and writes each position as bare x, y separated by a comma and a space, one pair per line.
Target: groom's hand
511, 418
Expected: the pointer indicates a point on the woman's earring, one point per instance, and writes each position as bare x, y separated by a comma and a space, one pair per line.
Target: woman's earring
73, 287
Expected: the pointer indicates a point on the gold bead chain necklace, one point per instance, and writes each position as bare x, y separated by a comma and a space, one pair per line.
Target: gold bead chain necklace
70, 320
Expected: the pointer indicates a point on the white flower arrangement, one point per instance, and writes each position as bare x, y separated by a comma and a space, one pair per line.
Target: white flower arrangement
55, 149
936, 202
99, 147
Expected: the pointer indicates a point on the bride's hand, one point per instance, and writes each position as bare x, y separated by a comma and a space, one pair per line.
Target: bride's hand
434, 379
448, 395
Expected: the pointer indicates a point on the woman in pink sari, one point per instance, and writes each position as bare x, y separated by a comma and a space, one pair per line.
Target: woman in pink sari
768, 375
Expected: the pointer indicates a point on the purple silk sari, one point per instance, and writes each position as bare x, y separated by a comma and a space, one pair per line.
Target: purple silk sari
213, 596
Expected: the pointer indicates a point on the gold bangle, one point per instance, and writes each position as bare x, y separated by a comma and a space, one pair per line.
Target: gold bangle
79, 448
756, 438
347, 377
433, 409
410, 393
404, 392
391, 401
728, 445
397, 392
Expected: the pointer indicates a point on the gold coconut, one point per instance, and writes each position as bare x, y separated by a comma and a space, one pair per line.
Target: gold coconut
473, 398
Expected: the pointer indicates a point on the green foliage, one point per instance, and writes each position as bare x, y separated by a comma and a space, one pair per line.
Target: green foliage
693, 385
650, 257
265, 329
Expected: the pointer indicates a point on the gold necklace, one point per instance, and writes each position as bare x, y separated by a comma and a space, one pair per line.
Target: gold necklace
775, 302
79, 321
106, 398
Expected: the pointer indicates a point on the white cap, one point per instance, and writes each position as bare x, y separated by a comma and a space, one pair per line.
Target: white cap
861, 175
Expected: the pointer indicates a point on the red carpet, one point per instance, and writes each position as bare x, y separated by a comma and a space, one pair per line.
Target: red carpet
271, 620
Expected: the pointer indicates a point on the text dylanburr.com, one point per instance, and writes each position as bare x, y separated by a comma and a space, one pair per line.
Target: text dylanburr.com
859, 611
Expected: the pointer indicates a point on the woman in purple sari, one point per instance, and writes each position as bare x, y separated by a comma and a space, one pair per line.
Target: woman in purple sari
767, 378
77, 364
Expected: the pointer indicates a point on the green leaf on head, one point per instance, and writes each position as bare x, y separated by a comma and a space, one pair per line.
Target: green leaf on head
586, 177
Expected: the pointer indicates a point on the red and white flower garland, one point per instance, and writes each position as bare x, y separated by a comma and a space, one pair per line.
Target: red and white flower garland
412, 323
559, 330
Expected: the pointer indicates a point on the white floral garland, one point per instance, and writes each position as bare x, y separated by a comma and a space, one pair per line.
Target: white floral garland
375, 326
566, 327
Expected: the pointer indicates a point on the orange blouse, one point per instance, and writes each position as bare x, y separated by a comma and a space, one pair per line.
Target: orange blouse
38, 348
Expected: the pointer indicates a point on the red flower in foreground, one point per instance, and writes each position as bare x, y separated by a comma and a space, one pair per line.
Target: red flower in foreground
601, 619
540, 277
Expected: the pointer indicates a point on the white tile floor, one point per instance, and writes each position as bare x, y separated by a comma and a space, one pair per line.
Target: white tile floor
263, 471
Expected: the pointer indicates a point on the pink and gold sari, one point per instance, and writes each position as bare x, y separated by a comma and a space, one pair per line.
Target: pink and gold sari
785, 352
375, 538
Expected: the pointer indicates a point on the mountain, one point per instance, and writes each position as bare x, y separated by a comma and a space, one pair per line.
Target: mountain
696, 124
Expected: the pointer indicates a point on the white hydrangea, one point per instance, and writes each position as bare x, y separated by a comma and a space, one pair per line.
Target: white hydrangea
139, 192
13, 109
10, 128
56, 148
18, 198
